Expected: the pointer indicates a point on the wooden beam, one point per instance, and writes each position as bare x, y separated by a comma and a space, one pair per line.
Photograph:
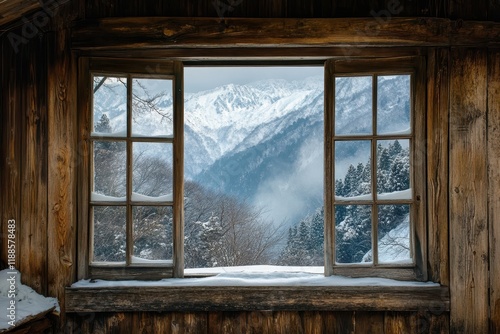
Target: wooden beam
62, 121
33, 232
234, 298
437, 164
494, 185
468, 189
12, 10
160, 32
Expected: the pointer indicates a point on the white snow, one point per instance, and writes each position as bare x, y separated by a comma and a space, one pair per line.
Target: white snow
136, 259
405, 131
96, 197
122, 133
403, 194
140, 135
28, 303
258, 276
143, 198
366, 197
394, 247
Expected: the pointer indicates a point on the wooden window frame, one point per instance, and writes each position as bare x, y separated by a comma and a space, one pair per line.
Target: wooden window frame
247, 298
415, 66
140, 67
136, 68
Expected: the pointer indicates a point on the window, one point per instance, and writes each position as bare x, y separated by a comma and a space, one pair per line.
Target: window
134, 199
135, 202
374, 206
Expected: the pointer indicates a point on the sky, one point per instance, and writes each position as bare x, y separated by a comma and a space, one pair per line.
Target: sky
203, 78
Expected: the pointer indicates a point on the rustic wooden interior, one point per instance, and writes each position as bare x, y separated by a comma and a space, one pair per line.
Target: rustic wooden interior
41, 44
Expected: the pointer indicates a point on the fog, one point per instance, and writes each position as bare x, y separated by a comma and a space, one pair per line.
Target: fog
294, 193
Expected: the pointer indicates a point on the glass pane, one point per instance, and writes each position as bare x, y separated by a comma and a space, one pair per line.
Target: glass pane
352, 170
353, 233
110, 106
109, 233
110, 172
393, 104
353, 105
152, 172
152, 233
394, 234
152, 107
393, 169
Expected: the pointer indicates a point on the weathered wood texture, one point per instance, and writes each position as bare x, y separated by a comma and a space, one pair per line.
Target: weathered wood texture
34, 168
24, 157
468, 191
262, 322
464, 9
11, 10
151, 32
437, 164
195, 298
10, 149
38, 152
62, 163
494, 185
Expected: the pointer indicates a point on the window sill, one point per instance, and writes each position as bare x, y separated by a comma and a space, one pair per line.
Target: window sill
206, 294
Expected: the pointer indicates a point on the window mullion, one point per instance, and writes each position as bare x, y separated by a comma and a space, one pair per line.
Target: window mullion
129, 225
374, 173
329, 183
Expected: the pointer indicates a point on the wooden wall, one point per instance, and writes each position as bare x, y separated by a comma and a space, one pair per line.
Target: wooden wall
484, 10
39, 163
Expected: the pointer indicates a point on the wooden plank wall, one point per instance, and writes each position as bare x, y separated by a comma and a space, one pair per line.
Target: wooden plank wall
24, 157
262, 322
468, 191
383, 9
39, 159
494, 185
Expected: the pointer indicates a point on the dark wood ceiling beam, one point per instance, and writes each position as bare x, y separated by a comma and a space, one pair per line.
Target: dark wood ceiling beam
154, 32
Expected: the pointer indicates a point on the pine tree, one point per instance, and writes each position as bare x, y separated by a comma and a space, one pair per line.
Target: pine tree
103, 126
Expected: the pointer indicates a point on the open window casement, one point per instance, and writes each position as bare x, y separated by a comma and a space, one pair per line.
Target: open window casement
135, 175
379, 203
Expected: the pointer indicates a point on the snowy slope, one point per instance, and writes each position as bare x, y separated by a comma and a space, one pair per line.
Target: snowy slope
241, 139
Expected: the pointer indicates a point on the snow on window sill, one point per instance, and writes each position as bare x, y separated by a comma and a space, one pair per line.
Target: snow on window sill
245, 291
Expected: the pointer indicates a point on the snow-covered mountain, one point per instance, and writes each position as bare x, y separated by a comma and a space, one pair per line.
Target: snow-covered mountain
262, 141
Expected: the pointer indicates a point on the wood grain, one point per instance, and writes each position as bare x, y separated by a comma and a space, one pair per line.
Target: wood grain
230, 298
61, 167
33, 232
468, 191
152, 32
494, 185
437, 164
11, 137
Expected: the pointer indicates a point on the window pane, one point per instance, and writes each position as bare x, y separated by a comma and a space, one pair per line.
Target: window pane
394, 234
152, 233
109, 233
353, 170
110, 106
353, 105
353, 233
152, 172
393, 104
110, 160
152, 107
393, 169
